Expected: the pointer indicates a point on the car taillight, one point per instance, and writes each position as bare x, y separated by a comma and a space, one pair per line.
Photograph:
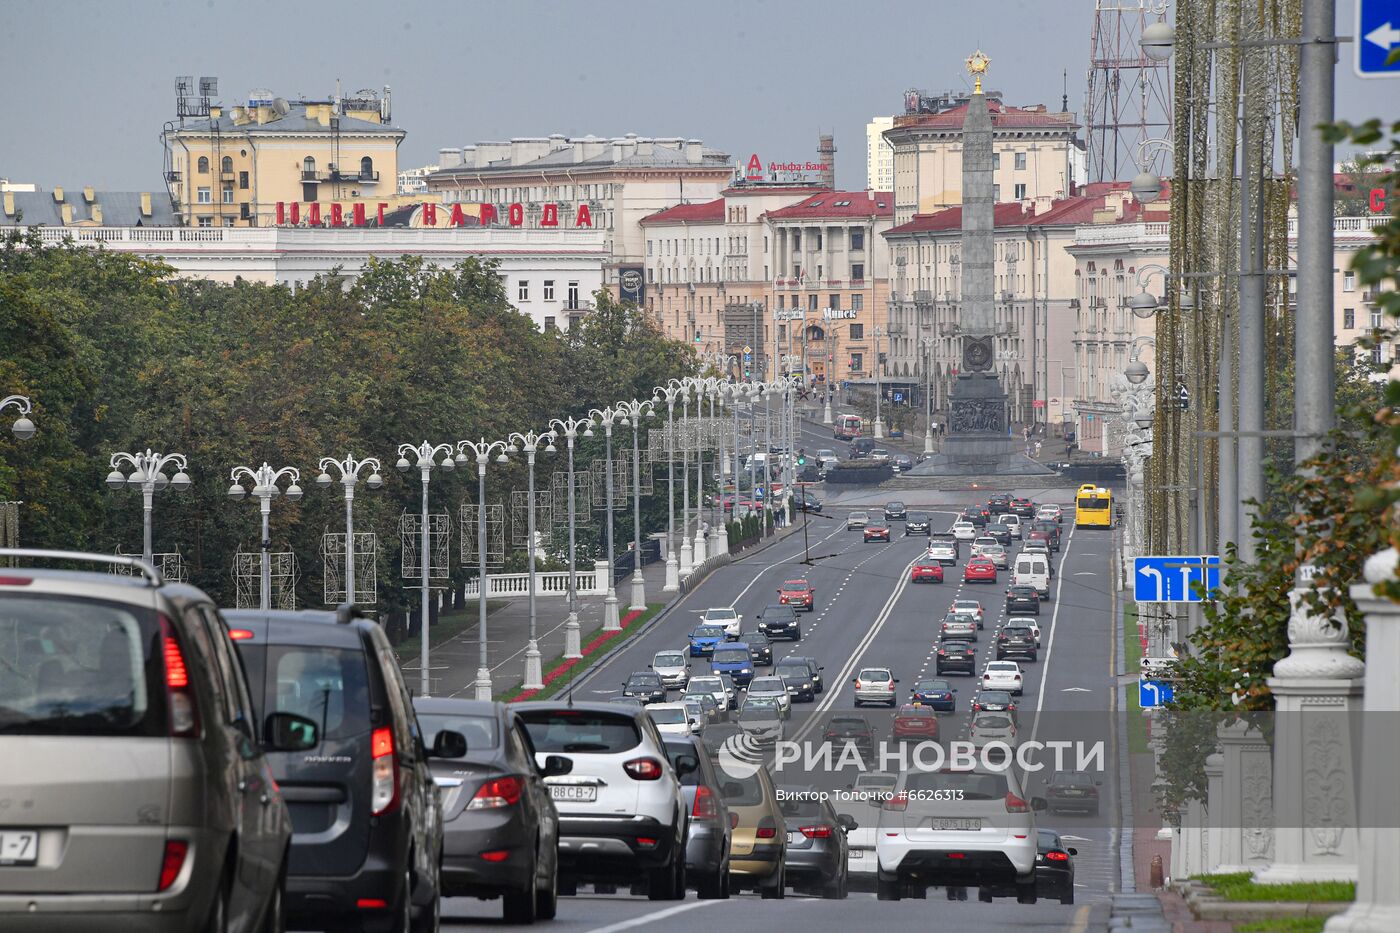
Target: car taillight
705, 807
1015, 804
1055, 855
643, 769
500, 792
817, 832
172, 862
239, 634
384, 773
184, 714
766, 831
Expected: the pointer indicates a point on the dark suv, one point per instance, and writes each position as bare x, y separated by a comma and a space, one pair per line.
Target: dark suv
1016, 642
779, 621
861, 447
366, 819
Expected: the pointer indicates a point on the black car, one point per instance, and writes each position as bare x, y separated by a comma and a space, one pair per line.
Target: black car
646, 686
861, 447
853, 729
813, 666
918, 523
500, 827
1000, 532
806, 502
902, 462
1025, 508
1073, 790
1021, 598
817, 851
995, 701
777, 620
894, 511
366, 819
937, 695
999, 504
955, 656
1054, 871
976, 514
708, 833
797, 675
760, 646
1016, 641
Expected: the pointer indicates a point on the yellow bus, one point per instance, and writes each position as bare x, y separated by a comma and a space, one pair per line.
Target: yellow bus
1093, 507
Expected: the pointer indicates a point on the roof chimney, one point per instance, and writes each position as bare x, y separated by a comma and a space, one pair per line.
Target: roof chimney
145, 204
66, 211
58, 194
215, 111
96, 214
826, 155
88, 195
694, 151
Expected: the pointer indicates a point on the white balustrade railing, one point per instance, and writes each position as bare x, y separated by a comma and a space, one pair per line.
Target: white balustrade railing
590, 582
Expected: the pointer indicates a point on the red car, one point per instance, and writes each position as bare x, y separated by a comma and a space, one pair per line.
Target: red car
919, 723
877, 533
926, 571
797, 594
980, 570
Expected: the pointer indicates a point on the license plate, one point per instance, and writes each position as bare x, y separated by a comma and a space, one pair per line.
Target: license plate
586, 793
19, 848
1072, 793
793, 837
857, 853
955, 825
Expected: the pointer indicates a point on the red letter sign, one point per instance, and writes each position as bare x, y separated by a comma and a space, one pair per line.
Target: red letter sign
313, 213
551, 216
296, 213
337, 214
754, 170
281, 216
381, 213
458, 218
358, 214
488, 214
583, 218
517, 215
1377, 200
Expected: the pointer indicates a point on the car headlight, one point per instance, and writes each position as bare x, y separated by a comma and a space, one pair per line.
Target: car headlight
744, 671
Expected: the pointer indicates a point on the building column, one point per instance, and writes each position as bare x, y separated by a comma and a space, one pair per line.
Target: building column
1246, 808
1215, 807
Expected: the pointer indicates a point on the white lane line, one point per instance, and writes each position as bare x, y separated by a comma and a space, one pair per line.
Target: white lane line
646, 919
1054, 625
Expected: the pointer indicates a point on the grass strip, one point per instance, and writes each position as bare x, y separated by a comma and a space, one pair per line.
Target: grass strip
1241, 887
1132, 656
1284, 925
559, 672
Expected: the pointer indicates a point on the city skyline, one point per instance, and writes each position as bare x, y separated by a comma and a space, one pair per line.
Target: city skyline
589, 74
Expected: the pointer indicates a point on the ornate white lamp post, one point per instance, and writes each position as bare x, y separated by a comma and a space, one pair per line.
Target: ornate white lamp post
481, 451
687, 552
349, 470
635, 410
530, 442
669, 393
148, 472
426, 457
23, 428
607, 417
571, 429
265, 489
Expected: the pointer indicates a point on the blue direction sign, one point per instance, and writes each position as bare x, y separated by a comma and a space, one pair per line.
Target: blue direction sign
1174, 579
1153, 693
1377, 35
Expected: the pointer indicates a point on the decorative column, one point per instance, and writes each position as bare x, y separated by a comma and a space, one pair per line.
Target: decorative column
1246, 810
1214, 828
1317, 689
1377, 906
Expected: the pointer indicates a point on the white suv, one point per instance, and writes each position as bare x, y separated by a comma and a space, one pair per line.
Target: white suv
956, 828
876, 685
726, 618
621, 811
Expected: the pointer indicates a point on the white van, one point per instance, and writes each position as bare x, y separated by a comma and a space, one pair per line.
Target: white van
1033, 570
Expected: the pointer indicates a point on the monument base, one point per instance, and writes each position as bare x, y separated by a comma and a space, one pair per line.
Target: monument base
977, 443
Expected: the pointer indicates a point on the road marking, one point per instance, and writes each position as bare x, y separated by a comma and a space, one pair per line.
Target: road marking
1076, 690
1050, 645
1079, 925
646, 919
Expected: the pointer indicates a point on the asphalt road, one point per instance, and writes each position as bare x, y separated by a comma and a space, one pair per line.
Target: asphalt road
868, 614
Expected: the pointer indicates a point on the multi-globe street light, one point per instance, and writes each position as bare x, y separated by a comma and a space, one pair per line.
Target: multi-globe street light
425, 458
686, 385
530, 443
635, 410
606, 418
705, 388
481, 452
349, 470
265, 489
23, 428
669, 393
571, 429
148, 472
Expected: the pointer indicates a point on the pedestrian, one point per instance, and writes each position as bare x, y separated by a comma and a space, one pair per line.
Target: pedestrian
1037, 448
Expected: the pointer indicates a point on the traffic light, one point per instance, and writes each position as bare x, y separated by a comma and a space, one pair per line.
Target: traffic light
801, 457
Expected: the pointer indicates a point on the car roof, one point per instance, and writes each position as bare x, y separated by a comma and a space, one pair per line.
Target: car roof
317, 627
450, 706
584, 706
796, 583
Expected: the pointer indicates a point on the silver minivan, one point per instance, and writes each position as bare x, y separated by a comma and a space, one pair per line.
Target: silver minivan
137, 793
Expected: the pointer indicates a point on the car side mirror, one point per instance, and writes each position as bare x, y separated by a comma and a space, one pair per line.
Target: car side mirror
449, 744
555, 765
896, 680
1072, 850
685, 764
847, 822
288, 732
1038, 803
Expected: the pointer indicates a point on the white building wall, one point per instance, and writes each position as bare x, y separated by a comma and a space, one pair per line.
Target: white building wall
879, 155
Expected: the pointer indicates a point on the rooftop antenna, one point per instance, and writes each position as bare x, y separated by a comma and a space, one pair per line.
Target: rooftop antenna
1064, 97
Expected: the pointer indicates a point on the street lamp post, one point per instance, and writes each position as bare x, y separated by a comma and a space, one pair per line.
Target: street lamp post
265, 489
427, 455
670, 393
704, 388
23, 428
481, 452
879, 423
571, 428
926, 344
607, 417
148, 472
530, 442
687, 553
635, 410
349, 470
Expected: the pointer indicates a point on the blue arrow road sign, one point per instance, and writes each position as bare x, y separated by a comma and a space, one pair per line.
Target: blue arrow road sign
1174, 579
1153, 693
1377, 35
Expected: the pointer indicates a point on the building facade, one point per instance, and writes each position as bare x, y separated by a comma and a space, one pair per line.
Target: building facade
233, 166
879, 155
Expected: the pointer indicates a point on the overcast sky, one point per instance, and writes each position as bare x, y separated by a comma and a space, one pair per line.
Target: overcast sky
92, 82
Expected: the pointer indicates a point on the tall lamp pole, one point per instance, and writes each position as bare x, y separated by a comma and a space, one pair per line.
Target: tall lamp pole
607, 417
669, 393
530, 442
148, 472
571, 428
426, 455
926, 343
349, 472
687, 553
481, 452
635, 411
704, 388
265, 489
23, 428
879, 422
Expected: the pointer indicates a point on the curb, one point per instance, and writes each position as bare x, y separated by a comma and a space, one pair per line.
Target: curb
1205, 905
569, 664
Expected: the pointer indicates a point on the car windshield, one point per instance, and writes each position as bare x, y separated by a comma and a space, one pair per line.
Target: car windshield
731, 656
80, 667
927, 563
644, 680
973, 785
480, 731
1017, 632
767, 685
798, 671
933, 686
799, 801
1071, 777
708, 631
756, 639
796, 585
992, 722
669, 660
895, 506
580, 731
666, 715
875, 673
327, 685
759, 704
918, 516
706, 683
994, 698
1003, 667
742, 791
871, 781
719, 614
863, 515
957, 646
915, 712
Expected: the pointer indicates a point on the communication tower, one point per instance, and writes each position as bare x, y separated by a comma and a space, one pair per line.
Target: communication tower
1129, 97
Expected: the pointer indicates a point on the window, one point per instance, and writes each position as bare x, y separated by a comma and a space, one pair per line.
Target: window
228, 221
245, 210
857, 272
1348, 281
996, 192
1349, 319
226, 192
206, 221
243, 180
548, 289
573, 295
857, 239
819, 240
834, 301
996, 160
203, 165
549, 323
857, 362
811, 302
366, 167
857, 302
1376, 320
226, 165
522, 290
649, 244
797, 239
1376, 354
204, 196
1020, 160
1020, 192
857, 331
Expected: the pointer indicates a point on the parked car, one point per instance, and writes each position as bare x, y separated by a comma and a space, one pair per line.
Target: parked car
707, 835
798, 594
146, 794
918, 523
364, 806
500, 826
622, 815
816, 844
759, 842
779, 620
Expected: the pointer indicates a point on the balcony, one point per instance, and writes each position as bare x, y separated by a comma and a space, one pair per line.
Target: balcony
173, 177
311, 176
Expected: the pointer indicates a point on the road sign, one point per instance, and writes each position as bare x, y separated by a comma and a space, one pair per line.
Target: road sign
1377, 35
1173, 579
747, 350
1153, 694
898, 396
